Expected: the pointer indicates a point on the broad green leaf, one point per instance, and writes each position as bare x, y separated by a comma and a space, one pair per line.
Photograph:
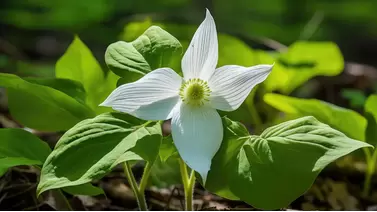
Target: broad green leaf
167, 149
71, 88
42, 107
371, 129
3, 170
79, 64
232, 142
85, 189
165, 173
371, 105
23, 68
131, 77
94, 146
122, 57
347, 121
273, 169
19, 147
165, 170
371, 115
153, 49
108, 86
233, 51
302, 61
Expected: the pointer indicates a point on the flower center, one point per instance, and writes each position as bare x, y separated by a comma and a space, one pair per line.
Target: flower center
195, 92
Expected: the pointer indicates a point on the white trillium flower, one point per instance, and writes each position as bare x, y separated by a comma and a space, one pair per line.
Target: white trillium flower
191, 102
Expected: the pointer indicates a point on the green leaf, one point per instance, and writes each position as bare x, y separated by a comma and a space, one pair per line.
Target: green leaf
79, 64
165, 173
302, 61
371, 116
47, 109
275, 168
371, 105
19, 147
122, 57
153, 49
111, 138
85, 189
230, 146
165, 170
71, 88
108, 86
347, 121
371, 129
234, 51
168, 149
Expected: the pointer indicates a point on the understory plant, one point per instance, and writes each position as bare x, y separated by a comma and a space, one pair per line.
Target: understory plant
144, 87
356, 126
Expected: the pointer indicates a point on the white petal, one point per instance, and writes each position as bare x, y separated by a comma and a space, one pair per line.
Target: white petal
200, 59
152, 97
197, 134
230, 85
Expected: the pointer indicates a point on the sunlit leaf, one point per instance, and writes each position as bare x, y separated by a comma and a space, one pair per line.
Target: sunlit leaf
42, 107
347, 121
112, 137
19, 147
273, 169
371, 115
79, 64
302, 61
371, 105
71, 88
231, 145
153, 49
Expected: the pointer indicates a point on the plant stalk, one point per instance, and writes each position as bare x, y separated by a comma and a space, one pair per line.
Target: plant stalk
188, 185
138, 190
371, 168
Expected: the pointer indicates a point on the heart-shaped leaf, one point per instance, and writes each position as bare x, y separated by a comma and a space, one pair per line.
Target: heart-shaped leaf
347, 121
94, 146
19, 147
47, 109
275, 168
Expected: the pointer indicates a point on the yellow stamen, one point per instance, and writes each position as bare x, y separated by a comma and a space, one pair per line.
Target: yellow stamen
195, 92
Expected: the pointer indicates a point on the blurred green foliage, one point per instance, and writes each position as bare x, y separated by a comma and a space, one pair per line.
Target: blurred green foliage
283, 20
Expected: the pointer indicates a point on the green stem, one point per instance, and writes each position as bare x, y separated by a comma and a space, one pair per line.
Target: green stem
140, 198
190, 192
371, 167
144, 179
188, 185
